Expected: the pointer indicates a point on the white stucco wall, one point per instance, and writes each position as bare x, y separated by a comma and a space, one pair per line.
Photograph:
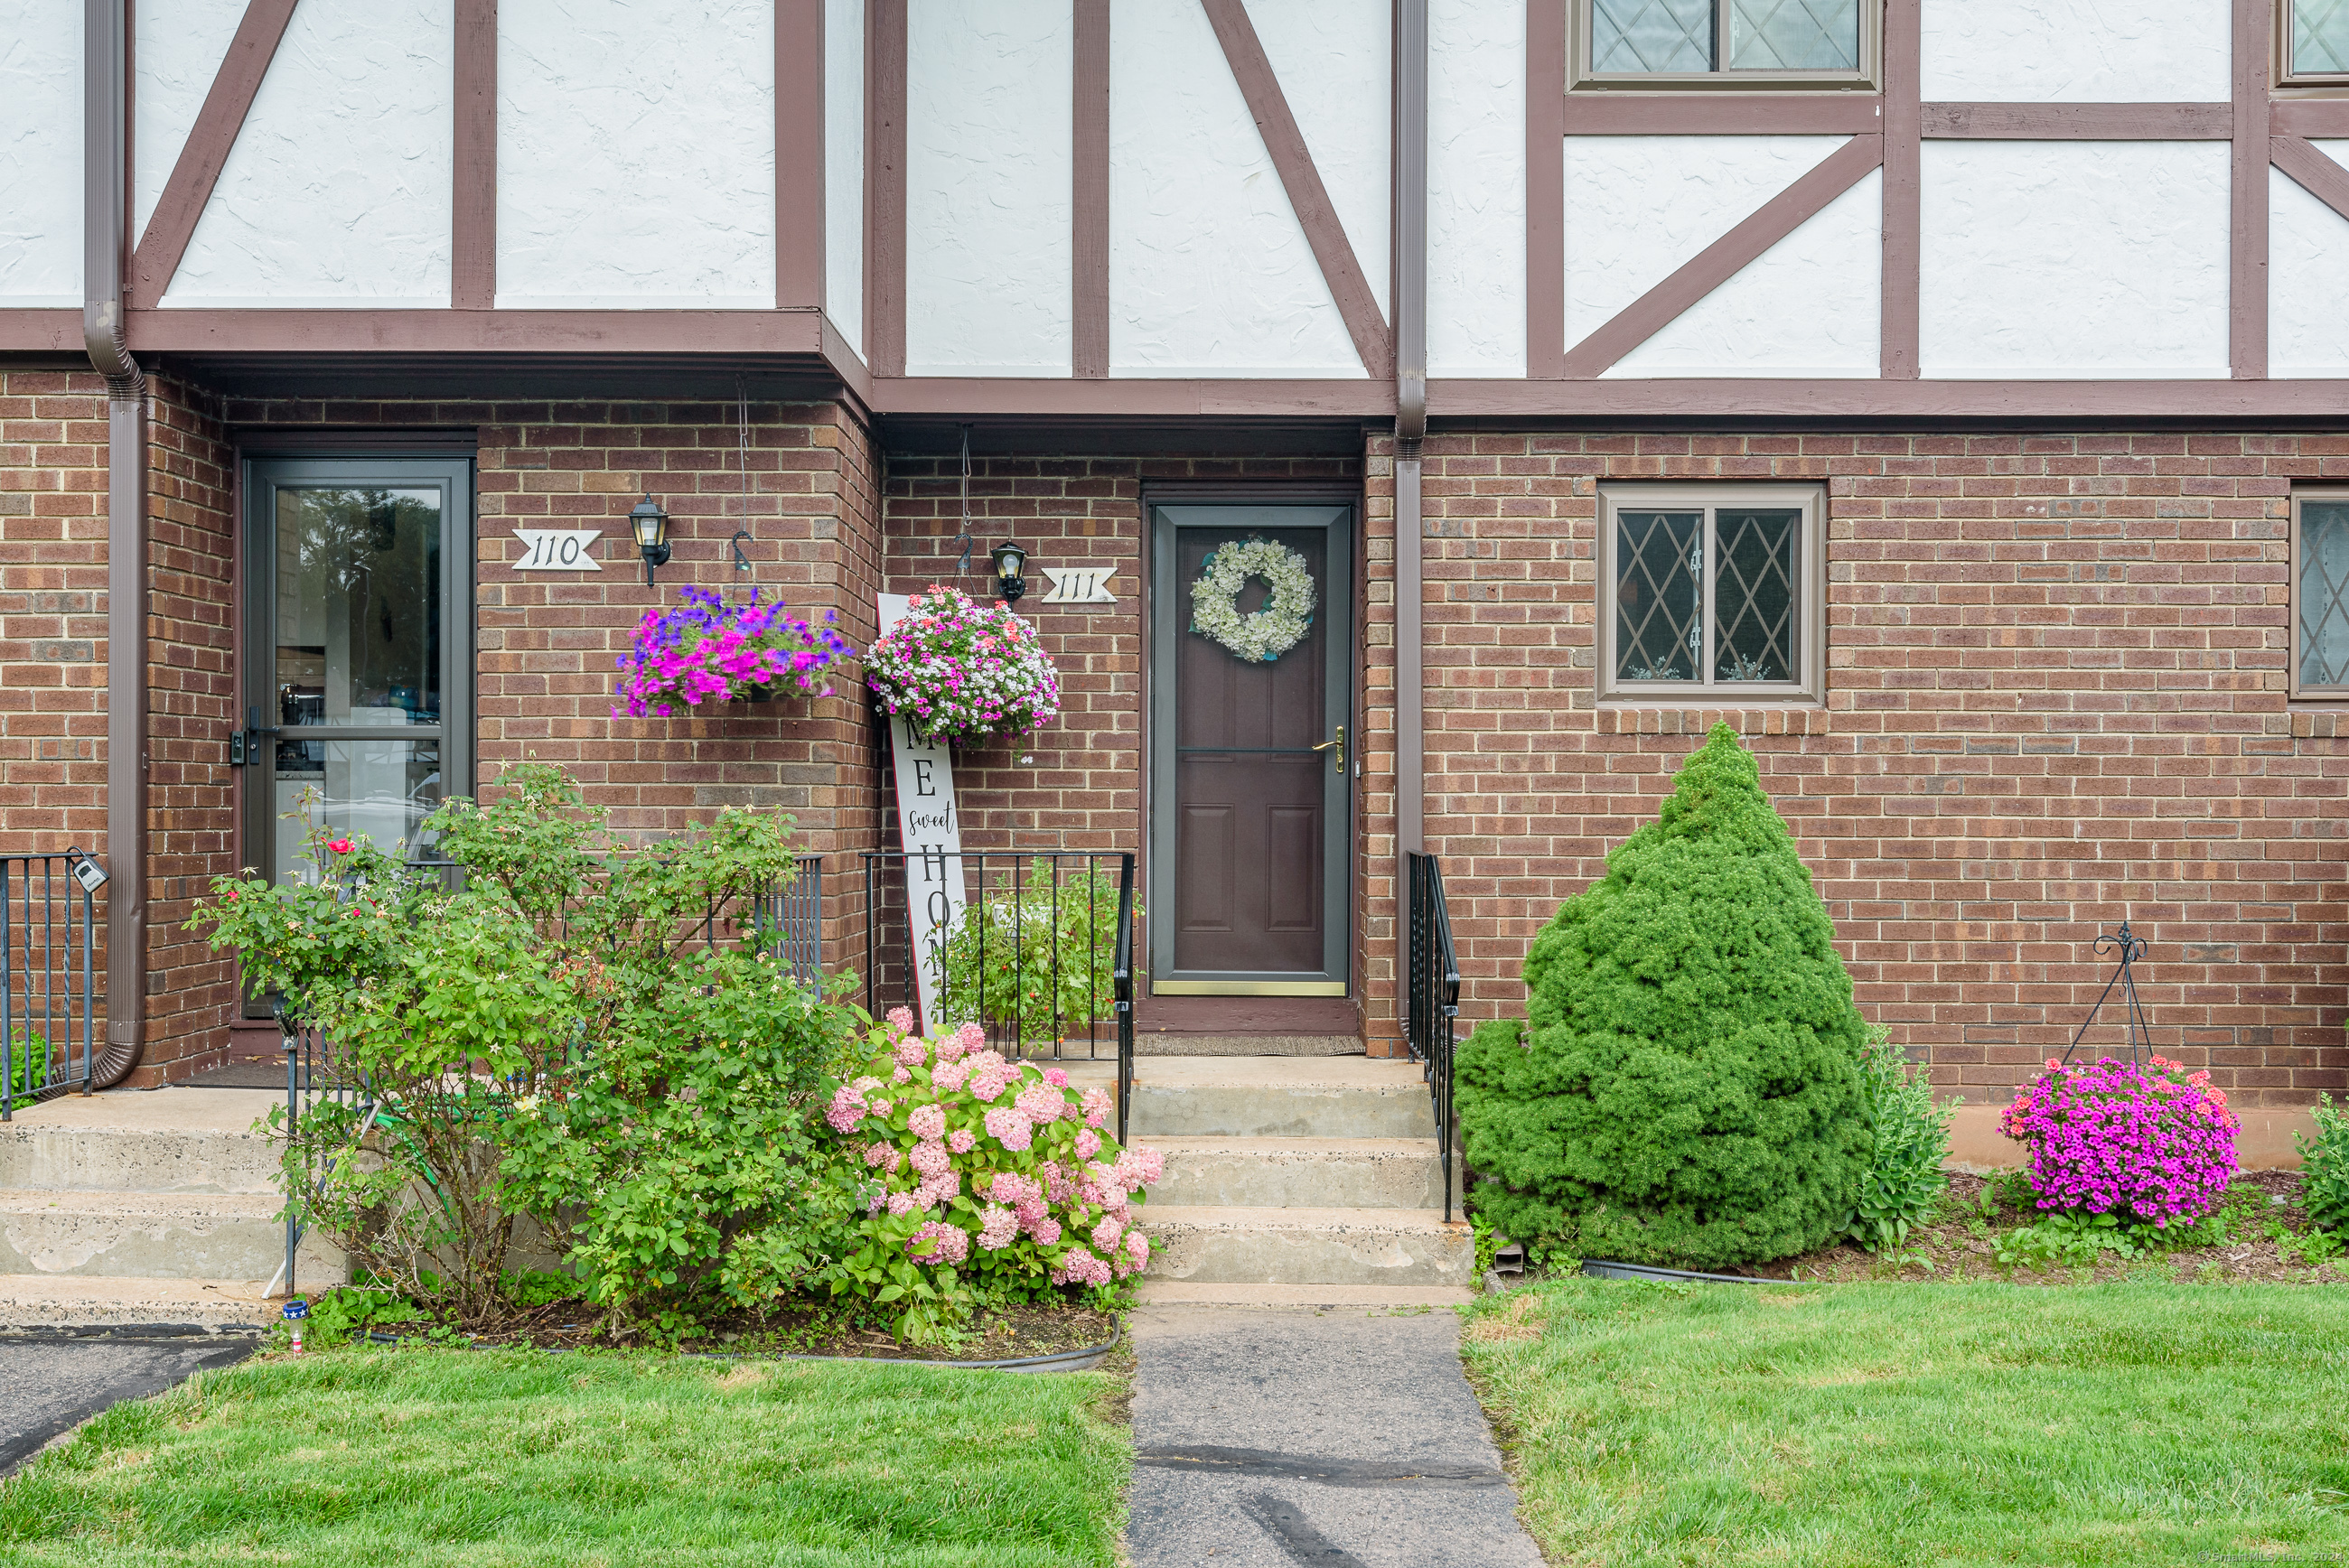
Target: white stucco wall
989, 258
2078, 51
40, 153
2075, 259
337, 191
1637, 208
844, 169
1477, 188
1810, 305
1209, 270
636, 154
1332, 57
180, 46
2308, 278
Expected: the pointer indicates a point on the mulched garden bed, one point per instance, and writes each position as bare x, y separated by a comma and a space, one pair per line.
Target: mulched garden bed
1962, 1244
994, 1334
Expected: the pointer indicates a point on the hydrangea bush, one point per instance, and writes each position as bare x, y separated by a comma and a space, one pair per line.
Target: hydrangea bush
707, 650
982, 1176
956, 670
2153, 1143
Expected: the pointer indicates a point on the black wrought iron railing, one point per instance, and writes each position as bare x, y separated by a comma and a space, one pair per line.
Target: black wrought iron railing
1432, 1000
48, 964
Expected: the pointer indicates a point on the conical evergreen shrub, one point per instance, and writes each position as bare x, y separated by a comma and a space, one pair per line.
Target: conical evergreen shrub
1687, 1088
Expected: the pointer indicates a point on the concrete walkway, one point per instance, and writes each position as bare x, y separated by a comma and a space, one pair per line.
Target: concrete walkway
1341, 1439
49, 1385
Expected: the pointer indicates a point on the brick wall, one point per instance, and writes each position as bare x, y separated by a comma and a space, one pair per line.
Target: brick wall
2056, 696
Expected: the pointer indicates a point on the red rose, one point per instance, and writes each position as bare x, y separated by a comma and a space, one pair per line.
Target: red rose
340, 846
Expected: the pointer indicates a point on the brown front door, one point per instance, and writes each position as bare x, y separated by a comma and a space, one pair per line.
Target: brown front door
1252, 756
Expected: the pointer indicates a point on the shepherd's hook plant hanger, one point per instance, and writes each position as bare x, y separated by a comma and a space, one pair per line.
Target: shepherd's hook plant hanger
2140, 1033
962, 567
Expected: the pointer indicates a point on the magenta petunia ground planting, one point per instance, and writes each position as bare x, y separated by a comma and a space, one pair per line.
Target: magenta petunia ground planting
707, 650
984, 1175
954, 669
2153, 1143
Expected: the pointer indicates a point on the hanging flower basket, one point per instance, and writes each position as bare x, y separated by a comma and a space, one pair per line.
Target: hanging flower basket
707, 651
960, 671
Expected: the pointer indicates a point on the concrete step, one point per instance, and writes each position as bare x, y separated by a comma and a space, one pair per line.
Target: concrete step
157, 1235
1300, 1172
1205, 1245
1148, 1044
169, 1140
1281, 1097
114, 1301
1154, 1292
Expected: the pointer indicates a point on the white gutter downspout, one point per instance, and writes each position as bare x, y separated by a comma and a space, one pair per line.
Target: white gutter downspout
1411, 422
105, 251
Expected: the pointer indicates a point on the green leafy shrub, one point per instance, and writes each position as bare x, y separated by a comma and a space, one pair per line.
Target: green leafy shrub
28, 1064
587, 1036
1688, 1090
1038, 951
2324, 1166
1910, 1140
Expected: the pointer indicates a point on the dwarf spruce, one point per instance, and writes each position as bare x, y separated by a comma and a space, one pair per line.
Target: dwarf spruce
1686, 1087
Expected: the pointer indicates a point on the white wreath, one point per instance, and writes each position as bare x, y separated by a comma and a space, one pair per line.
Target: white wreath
1270, 632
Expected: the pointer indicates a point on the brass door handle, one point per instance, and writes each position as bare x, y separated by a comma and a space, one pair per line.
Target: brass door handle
1341, 744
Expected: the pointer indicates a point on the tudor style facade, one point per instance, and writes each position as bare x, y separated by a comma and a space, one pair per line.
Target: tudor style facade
1953, 395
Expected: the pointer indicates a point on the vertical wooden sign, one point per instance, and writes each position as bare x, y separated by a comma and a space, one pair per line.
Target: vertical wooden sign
931, 835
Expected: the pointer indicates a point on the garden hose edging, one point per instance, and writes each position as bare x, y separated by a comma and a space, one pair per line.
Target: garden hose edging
1601, 1269
1085, 1358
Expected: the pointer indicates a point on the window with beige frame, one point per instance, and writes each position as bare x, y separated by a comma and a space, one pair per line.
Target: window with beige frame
2320, 592
2313, 40
1711, 595
1738, 45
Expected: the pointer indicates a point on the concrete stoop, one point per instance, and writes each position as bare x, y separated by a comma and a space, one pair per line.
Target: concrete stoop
1296, 1180
145, 1207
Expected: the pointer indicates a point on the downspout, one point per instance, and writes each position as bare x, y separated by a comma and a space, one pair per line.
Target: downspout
1410, 422
105, 247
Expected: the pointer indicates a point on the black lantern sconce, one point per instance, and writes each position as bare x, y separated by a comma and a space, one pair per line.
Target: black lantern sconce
1008, 560
650, 523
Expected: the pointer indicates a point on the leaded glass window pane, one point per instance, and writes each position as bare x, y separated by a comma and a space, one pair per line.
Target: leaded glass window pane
1651, 35
1754, 595
1659, 596
2319, 36
1796, 35
2323, 593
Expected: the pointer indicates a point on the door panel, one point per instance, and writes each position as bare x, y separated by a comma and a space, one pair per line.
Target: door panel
1251, 823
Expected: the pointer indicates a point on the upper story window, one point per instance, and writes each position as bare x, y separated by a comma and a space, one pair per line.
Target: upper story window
1734, 43
2316, 41
2320, 592
1711, 594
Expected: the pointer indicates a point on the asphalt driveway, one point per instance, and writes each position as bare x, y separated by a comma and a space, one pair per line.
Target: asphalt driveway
50, 1385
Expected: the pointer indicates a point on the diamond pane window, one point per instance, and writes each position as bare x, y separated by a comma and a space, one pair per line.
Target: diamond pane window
1717, 588
2323, 592
1651, 35
1659, 596
2320, 37
1795, 34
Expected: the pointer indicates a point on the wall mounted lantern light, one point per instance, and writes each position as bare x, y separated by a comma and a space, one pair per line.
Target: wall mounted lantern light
1008, 560
650, 523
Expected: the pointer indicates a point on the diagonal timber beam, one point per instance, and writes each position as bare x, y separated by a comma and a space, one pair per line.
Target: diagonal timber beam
1714, 265
2311, 171
1244, 52
198, 170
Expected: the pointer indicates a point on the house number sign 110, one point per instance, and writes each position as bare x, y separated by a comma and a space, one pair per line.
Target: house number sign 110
558, 550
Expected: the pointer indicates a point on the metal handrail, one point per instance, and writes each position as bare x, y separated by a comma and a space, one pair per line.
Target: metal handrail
39, 977
1122, 977
1432, 1010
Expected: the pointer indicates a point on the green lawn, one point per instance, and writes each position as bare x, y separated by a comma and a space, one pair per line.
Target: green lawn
457, 1457
1883, 1424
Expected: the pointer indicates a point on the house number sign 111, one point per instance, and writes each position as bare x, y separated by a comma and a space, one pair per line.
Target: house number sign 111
558, 550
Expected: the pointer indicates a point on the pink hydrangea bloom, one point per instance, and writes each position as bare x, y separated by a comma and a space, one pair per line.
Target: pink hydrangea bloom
1106, 1233
927, 1122
911, 1052
1057, 1183
999, 1227
1098, 1105
847, 1110
901, 1019
1008, 1127
939, 1242
1078, 1266
1041, 1103
938, 1189
1087, 1143
960, 1140
947, 1077
881, 1154
1056, 1077
1046, 1230
902, 1203
971, 1038
901, 1076
1009, 1187
1137, 1247
932, 1158
990, 1074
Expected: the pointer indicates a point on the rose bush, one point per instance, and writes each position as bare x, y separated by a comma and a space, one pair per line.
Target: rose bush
982, 1176
956, 670
2155, 1144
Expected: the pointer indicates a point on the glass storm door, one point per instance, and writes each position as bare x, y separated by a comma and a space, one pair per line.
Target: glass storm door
356, 705
1252, 764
